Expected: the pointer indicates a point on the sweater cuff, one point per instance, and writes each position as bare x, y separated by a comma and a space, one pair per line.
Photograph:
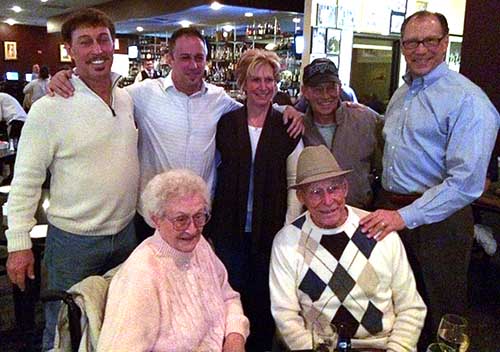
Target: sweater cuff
238, 325
18, 242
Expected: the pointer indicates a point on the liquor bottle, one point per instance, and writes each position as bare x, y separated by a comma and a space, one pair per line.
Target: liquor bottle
260, 29
344, 341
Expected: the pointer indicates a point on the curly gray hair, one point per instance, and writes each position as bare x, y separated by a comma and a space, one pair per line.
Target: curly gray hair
170, 185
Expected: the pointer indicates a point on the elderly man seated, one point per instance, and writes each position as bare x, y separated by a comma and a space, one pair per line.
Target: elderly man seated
325, 270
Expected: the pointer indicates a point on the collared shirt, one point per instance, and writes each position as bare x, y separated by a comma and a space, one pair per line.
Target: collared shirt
356, 144
439, 132
176, 130
10, 109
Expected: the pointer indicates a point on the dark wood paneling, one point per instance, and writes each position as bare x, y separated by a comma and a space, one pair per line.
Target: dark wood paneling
481, 55
480, 48
34, 45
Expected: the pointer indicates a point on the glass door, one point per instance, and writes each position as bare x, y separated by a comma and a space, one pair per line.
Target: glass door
375, 70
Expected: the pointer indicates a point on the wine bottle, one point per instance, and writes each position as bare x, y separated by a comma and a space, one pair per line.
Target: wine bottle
344, 340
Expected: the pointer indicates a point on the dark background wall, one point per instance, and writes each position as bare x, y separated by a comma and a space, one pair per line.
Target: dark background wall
481, 54
35, 45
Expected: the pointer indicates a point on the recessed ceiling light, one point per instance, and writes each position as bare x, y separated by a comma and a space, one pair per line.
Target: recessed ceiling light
185, 23
10, 21
216, 6
248, 14
139, 28
16, 9
296, 20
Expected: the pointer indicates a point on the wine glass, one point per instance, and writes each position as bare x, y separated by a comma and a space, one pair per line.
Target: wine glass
439, 347
324, 337
452, 332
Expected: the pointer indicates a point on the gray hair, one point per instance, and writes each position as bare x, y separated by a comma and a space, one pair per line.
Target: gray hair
170, 185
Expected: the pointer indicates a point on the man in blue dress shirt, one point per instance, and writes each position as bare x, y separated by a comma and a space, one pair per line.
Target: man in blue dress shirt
439, 132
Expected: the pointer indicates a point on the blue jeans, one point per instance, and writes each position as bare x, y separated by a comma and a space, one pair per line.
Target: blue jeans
70, 258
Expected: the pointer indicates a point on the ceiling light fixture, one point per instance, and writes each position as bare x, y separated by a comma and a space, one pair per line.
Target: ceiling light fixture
10, 21
185, 23
16, 9
216, 6
248, 14
296, 20
44, 0
139, 28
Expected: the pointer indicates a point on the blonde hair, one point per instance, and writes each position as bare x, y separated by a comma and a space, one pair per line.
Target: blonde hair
169, 185
251, 60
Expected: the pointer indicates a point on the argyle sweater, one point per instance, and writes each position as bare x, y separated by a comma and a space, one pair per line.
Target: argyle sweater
340, 276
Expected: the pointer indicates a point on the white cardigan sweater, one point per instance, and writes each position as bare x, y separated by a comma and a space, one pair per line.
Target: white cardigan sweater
90, 150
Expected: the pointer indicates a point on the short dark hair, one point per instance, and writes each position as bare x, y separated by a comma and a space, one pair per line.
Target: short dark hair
184, 32
44, 72
89, 17
422, 14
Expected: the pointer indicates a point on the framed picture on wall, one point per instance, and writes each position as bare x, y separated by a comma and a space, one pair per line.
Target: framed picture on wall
326, 15
333, 41
313, 57
397, 19
454, 52
63, 54
334, 58
318, 36
398, 5
10, 50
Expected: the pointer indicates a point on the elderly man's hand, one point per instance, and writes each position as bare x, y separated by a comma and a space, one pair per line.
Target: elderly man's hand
296, 128
234, 342
381, 222
59, 84
19, 265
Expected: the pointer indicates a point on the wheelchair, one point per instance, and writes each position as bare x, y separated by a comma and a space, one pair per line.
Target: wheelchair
82, 312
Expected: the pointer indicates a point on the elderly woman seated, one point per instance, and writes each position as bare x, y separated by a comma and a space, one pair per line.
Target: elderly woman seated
172, 293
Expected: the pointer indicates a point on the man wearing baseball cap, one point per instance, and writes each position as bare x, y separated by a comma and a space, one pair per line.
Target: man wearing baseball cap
351, 133
324, 270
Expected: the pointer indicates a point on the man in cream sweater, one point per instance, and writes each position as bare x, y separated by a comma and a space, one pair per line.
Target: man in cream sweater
89, 145
324, 270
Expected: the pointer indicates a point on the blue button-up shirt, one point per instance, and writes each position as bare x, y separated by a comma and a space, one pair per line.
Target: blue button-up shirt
439, 132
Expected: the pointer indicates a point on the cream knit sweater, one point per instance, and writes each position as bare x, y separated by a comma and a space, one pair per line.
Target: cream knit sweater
90, 150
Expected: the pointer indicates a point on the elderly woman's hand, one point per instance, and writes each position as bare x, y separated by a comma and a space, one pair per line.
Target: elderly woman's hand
234, 342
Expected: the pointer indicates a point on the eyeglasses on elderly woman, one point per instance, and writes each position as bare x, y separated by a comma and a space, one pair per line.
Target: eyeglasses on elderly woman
182, 222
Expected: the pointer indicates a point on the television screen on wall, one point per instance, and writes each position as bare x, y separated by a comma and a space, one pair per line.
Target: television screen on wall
299, 44
12, 76
133, 52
